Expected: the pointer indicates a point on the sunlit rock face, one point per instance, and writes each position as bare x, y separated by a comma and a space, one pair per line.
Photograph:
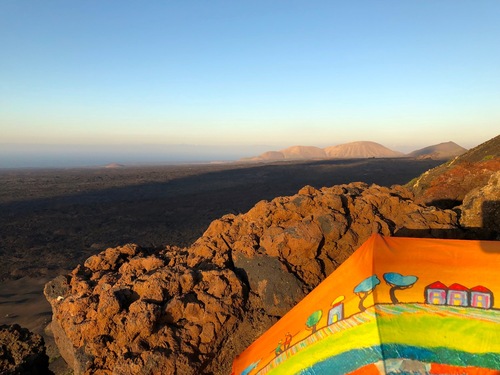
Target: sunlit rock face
481, 208
447, 185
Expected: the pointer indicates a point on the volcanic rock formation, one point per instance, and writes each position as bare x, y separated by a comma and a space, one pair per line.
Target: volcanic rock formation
22, 352
129, 310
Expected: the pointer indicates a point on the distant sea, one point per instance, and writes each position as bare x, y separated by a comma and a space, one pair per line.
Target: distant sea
74, 156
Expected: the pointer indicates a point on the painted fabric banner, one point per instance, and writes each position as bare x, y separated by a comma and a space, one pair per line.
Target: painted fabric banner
396, 306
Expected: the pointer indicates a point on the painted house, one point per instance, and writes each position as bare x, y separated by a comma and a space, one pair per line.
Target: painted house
436, 293
481, 297
458, 295
336, 313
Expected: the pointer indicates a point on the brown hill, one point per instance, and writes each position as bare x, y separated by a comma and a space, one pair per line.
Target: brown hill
363, 149
291, 153
447, 185
303, 152
445, 150
271, 155
114, 166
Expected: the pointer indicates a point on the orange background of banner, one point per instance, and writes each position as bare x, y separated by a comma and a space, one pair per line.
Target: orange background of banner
469, 263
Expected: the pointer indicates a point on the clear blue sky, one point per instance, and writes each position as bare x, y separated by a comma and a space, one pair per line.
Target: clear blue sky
406, 74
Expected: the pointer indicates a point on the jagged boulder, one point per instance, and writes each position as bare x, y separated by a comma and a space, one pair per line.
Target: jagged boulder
481, 208
22, 352
129, 310
314, 231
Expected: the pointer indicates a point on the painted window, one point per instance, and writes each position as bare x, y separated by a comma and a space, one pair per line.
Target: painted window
481, 300
436, 297
456, 298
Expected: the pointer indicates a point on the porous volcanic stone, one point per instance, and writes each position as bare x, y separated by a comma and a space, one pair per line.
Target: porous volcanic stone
22, 352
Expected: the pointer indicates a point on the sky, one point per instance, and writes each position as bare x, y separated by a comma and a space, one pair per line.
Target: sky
236, 78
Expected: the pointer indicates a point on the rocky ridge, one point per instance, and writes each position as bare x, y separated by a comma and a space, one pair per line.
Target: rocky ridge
130, 310
447, 185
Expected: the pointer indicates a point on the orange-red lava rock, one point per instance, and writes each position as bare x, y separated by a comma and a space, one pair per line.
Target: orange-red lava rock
22, 352
129, 310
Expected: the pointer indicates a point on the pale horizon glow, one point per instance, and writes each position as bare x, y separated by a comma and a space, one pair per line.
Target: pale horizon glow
239, 78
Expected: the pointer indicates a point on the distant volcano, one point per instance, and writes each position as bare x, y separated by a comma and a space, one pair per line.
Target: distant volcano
445, 150
303, 152
364, 149
114, 166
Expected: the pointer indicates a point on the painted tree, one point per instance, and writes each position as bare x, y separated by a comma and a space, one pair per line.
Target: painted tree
313, 320
398, 282
365, 288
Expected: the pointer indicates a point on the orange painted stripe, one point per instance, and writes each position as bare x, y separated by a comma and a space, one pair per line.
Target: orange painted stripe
370, 369
437, 368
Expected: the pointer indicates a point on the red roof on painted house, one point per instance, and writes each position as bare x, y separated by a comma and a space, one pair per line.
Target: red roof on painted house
458, 287
437, 285
480, 288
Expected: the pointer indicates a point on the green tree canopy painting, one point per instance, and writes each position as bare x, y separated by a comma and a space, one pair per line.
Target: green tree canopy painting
313, 320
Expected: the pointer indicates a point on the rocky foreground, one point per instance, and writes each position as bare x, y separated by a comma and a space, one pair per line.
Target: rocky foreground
189, 311
133, 310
